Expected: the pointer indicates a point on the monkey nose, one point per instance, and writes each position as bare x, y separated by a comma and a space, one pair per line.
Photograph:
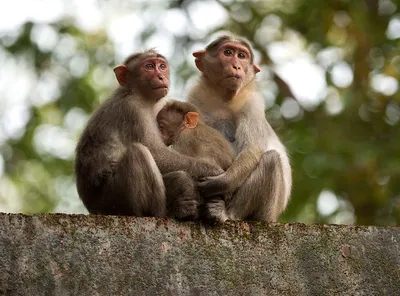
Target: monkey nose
236, 67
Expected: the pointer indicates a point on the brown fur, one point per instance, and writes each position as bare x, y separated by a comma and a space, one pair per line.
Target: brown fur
120, 158
201, 142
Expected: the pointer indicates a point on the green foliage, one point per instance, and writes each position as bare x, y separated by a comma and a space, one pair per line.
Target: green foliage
356, 157
353, 152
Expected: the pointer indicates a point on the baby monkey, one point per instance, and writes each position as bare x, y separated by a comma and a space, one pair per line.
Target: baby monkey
182, 129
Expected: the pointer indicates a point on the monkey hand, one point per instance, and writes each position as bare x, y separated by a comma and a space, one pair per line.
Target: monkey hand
207, 169
211, 186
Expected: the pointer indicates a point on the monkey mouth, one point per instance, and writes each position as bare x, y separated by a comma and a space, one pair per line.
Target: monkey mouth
237, 76
161, 87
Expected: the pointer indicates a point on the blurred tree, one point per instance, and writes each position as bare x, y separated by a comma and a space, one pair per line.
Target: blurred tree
354, 151
343, 136
39, 171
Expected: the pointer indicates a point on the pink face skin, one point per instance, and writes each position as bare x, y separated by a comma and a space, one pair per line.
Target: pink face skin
234, 62
155, 75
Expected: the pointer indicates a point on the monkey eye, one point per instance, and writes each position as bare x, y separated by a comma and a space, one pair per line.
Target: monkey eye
149, 66
227, 52
241, 55
163, 66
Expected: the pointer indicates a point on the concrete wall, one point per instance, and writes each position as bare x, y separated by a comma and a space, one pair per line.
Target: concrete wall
58, 254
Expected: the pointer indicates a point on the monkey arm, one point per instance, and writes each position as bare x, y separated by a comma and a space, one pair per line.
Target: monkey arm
259, 135
251, 134
234, 177
254, 136
169, 160
248, 160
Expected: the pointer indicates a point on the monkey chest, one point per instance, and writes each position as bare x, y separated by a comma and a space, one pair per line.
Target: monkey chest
225, 123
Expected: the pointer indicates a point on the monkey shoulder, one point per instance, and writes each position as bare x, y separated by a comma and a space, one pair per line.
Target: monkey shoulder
253, 129
112, 127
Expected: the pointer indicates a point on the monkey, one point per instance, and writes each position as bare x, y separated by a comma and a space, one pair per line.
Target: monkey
121, 162
181, 129
227, 97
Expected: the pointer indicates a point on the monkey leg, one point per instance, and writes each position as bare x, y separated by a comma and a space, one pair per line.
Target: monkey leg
135, 188
182, 196
261, 197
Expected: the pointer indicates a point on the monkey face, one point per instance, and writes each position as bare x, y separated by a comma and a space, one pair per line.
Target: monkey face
227, 63
232, 66
170, 124
154, 76
145, 73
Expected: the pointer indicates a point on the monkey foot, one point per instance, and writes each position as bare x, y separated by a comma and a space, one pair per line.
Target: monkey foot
186, 210
215, 212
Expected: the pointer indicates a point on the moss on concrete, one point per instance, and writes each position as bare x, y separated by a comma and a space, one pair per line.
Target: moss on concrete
56, 254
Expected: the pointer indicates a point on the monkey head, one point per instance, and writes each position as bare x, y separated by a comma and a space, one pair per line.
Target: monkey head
173, 118
228, 62
145, 73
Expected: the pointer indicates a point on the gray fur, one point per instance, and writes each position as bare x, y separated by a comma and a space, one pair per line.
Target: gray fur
260, 177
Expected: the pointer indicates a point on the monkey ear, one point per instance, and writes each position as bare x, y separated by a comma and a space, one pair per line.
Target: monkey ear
199, 58
191, 119
199, 54
120, 73
256, 68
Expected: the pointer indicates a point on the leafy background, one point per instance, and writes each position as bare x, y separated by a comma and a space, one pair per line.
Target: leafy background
330, 78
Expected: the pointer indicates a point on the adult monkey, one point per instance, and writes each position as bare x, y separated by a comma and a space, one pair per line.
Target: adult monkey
121, 160
226, 94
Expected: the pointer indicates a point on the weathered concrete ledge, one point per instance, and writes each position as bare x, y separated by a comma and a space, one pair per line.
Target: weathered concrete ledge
57, 254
